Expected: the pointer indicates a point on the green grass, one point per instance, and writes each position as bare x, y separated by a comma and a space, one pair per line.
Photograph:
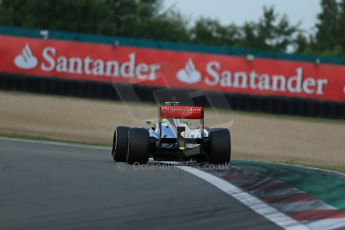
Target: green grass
333, 167
327, 187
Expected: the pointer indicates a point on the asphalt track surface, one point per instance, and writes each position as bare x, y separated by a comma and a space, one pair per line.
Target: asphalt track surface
53, 186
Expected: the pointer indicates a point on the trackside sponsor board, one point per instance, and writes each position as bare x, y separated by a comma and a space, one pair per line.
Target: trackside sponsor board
167, 68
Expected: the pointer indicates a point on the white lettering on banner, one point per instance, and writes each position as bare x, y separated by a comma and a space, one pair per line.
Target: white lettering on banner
50, 65
211, 69
276, 83
213, 75
75, 65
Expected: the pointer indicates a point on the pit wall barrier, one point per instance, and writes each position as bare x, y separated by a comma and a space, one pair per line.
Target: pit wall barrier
90, 66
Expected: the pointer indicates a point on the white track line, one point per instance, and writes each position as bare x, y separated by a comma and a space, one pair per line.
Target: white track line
327, 224
58, 143
245, 198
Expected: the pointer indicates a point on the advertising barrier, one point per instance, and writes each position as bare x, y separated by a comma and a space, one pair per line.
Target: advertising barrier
171, 68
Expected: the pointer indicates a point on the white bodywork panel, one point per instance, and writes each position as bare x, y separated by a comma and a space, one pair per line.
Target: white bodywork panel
169, 131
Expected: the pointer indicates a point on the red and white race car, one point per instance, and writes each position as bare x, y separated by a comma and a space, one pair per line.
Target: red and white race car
173, 137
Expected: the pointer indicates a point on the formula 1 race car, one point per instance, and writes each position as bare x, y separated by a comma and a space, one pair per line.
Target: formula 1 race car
173, 138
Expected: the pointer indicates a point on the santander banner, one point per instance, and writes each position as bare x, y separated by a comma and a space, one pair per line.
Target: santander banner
167, 68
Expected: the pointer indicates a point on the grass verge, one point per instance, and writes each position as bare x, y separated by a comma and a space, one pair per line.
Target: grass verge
332, 167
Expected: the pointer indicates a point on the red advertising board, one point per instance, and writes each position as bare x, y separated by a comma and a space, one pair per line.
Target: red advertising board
167, 68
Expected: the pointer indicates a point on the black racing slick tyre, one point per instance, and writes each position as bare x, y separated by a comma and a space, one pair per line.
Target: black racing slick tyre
138, 146
219, 146
120, 140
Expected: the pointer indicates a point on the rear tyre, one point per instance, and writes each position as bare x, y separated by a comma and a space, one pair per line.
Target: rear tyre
120, 140
138, 146
219, 149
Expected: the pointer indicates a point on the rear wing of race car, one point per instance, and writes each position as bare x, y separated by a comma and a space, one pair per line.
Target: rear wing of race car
181, 112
